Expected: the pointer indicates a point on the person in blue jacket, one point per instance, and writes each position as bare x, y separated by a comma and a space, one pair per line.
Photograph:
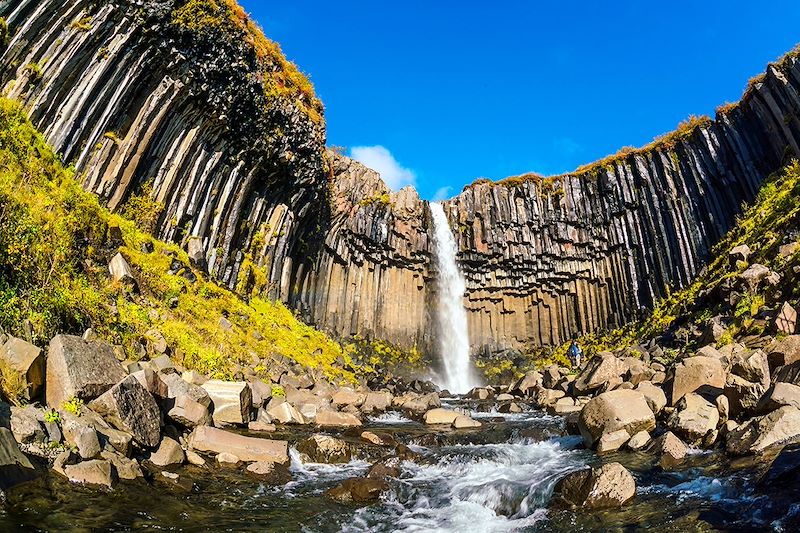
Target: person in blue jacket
575, 354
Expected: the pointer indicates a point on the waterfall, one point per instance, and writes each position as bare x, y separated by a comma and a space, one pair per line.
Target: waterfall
451, 317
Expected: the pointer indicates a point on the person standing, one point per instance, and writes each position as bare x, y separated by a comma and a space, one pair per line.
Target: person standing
575, 354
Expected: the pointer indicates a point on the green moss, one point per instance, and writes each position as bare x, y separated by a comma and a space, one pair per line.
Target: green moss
142, 209
82, 24
34, 71
382, 199
73, 405
4, 36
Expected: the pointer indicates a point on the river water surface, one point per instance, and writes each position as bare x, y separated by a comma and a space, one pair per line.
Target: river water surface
494, 479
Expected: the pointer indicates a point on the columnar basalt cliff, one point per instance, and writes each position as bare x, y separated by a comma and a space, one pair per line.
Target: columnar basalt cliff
186, 96
547, 258
371, 276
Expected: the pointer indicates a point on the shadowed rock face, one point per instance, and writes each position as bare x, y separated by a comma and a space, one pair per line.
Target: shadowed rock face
130, 96
246, 173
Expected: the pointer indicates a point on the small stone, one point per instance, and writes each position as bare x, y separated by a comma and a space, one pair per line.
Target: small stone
169, 453
226, 458
194, 458
611, 442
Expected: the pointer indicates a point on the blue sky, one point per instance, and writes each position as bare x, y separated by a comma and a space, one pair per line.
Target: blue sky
439, 93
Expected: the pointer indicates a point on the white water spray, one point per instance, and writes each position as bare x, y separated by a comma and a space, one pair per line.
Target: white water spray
450, 313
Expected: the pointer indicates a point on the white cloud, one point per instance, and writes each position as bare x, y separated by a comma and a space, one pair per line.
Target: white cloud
383, 162
442, 193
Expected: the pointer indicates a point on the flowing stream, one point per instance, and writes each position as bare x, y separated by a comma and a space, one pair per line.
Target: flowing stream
497, 478
450, 313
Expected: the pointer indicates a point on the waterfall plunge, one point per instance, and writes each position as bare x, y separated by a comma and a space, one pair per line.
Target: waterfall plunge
451, 317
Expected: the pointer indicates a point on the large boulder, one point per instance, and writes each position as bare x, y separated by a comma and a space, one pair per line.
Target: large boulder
324, 449
15, 467
527, 383
417, 403
377, 402
441, 416
611, 485
347, 396
655, 397
611, 411
694, 418
93, 472
785, 352
753, 367
177, 386
778, 395
698, 373
329, 418
743, 396
28, 360
600, 370
283, 412
187, 412
169, 453
79, 368
779, 427
670, 450
129, 407
248, 449
232, 401
786, 321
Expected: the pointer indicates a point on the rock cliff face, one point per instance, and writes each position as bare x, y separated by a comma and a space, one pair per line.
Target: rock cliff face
183, 96
546, 259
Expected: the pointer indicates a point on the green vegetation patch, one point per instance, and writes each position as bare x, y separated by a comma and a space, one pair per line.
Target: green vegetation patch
55, 244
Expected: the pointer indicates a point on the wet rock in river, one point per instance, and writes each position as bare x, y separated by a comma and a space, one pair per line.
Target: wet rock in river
694, 418
781, 426
328, 418
249, 449
169, 453
15, 467
611, 485
358, 490
324, 449
614, 410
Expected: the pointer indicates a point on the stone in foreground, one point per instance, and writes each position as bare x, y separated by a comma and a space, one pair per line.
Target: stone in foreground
79, 368
441, 416
15, 467
324, 449
610, 485
328, 418
231, 399
248, 449
781, 426
28, 360
129, 407
615, 410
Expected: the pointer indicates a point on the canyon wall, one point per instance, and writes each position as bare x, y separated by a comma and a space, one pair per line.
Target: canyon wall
197, 105
182, 97
548, 258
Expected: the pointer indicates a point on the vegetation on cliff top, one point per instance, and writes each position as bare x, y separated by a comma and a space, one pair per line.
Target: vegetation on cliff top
668, 141
227, 19
55, 243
